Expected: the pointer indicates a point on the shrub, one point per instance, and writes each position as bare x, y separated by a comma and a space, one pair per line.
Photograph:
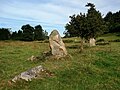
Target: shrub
116, 40
100, 40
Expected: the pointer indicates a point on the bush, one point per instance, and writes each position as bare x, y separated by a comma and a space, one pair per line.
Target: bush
103, 43
68, 41
100, 40
116, 40
46, 41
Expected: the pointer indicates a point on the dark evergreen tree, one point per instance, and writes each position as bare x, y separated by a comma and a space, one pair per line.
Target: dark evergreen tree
77, 27
71, 27
108, 17
28, 34
95, 23
86, 26
113, 20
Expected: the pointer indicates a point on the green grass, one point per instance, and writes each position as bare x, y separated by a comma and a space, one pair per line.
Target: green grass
110, 37
96, 68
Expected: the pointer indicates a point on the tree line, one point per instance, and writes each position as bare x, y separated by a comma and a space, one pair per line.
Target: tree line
27, 33
89, 25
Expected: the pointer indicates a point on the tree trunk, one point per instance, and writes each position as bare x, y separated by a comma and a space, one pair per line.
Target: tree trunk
92, 42
81, 45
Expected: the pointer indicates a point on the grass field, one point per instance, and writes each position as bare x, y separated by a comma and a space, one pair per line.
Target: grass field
96, 68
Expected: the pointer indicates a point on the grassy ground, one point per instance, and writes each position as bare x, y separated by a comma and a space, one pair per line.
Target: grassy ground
96, 68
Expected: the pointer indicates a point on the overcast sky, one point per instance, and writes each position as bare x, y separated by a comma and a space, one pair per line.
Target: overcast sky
50, 14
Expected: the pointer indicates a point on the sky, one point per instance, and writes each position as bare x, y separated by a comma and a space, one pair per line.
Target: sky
50, 14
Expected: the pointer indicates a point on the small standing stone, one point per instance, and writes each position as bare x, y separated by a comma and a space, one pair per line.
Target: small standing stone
92, 42
56, 44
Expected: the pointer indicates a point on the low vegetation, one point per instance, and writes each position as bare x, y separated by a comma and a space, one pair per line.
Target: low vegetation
96, 68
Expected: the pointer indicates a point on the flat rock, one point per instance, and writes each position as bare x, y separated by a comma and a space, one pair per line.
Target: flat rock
33, 73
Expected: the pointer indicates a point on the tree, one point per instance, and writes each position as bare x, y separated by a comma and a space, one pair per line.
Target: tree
20, 35
66, 33
96, 24
5, 34
113, 20
17, 35
28, 34
86, 26
45, 33
109, 17
14, 35
38, 33
77, 27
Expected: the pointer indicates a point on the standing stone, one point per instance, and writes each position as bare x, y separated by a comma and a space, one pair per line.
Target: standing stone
92, 42
56, 44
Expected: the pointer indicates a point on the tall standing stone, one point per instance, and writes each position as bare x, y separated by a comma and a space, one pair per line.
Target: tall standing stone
56, 44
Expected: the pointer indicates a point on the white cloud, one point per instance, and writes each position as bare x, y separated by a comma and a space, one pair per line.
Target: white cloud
40, 11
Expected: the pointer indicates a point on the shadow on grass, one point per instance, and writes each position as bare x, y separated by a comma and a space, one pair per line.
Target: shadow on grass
77, 46
47, 56
74, 47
